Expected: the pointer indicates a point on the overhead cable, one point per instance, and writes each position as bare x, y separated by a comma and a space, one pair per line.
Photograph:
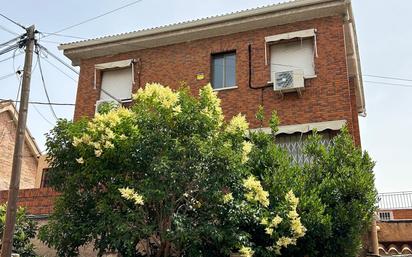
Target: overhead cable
15, 22
96, 17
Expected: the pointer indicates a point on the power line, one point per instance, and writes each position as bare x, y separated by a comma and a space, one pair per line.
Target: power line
12, 40
10, 48
57, 68
41, 103
7, 76
8, 30
96, 17
61, 35
57, 58
41, 115
387, 77
44, 84
388, 84
15, 22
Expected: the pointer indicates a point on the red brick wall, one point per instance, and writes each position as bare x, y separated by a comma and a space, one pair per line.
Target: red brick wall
326, 97
402, 214
29, 163
36, 201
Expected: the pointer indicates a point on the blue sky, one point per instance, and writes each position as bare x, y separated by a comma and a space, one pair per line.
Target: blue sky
384, 40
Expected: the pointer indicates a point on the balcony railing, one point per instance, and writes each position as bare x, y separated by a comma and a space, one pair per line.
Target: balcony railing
397, 200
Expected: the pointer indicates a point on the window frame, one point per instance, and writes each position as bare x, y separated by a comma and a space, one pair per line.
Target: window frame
212, 75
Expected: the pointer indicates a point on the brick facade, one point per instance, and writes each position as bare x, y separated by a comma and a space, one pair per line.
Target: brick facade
38, 201
7, 140
402, 214
329, 96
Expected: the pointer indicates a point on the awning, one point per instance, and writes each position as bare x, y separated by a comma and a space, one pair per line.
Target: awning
296, 34
286, 36
112, 65
307, 127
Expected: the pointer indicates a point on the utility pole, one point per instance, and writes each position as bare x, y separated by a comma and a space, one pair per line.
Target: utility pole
7, 242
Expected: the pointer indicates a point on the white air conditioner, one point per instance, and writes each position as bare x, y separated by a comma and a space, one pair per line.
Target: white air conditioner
288, 81
100, 102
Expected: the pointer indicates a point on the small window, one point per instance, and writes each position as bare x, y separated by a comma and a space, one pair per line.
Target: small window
295, 55
45, 178
385, 215
224, 70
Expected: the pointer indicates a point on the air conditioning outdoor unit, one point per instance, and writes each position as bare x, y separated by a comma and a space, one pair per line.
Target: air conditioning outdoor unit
289, 81
101, 102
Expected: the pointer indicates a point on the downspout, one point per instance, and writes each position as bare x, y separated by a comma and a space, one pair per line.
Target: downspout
374, 237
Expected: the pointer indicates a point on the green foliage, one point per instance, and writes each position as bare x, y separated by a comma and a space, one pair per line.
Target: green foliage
25, 230
165, 178
170, 177
336, 192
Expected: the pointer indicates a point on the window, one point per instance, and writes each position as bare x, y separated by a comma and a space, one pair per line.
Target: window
45, 178
385, 215
116, 84
295, 143
297, 54
224, 70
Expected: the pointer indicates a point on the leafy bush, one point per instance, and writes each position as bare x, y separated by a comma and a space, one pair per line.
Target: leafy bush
25, 230
167, 177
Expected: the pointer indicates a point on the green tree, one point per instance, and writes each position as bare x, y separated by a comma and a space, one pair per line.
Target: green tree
336, 192
167, 177
25, 230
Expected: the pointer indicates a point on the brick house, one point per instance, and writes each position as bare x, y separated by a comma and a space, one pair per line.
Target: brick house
31, 152
299, 58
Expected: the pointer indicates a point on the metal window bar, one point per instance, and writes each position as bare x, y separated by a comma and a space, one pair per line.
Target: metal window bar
395, 200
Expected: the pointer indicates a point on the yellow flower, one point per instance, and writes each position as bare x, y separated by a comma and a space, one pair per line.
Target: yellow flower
256, 192
292, 199
76, 141
276, 221
264, 221
130, 194
269, 231
227, 197
237, 124
284, 241
108, 144
246, 251
213, 109
98, 152
80, 160
157, 93
246, 149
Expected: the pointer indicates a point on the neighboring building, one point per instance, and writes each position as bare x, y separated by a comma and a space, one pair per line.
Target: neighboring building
299, 58
31, 153
395, 224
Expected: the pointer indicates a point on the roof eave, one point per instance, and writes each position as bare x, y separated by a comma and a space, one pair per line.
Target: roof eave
199, 29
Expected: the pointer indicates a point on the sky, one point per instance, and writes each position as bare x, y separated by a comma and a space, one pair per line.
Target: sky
384, 39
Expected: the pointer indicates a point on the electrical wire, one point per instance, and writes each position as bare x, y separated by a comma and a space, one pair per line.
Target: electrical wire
44, 85
15, 22
61, 35
43, 103
41, 115
388, 84
8, 30
7, 76
9, 58
19, 37
57, 58
57, 68
96, 17
387, 77
10, 48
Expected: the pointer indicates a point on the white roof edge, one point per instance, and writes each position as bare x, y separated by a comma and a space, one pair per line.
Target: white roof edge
196, 23
34, 148
306, 127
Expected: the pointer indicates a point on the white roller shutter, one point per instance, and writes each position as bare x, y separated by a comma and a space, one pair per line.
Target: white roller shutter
296, 55
116, 83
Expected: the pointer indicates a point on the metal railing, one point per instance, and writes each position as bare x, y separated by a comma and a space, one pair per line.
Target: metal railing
396, 200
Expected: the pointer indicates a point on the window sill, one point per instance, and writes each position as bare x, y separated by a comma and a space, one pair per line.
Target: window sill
224, 88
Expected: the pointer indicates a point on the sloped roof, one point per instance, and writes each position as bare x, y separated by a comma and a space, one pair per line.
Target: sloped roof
7, 106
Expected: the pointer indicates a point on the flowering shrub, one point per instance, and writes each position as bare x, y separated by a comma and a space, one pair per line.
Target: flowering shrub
167, 177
